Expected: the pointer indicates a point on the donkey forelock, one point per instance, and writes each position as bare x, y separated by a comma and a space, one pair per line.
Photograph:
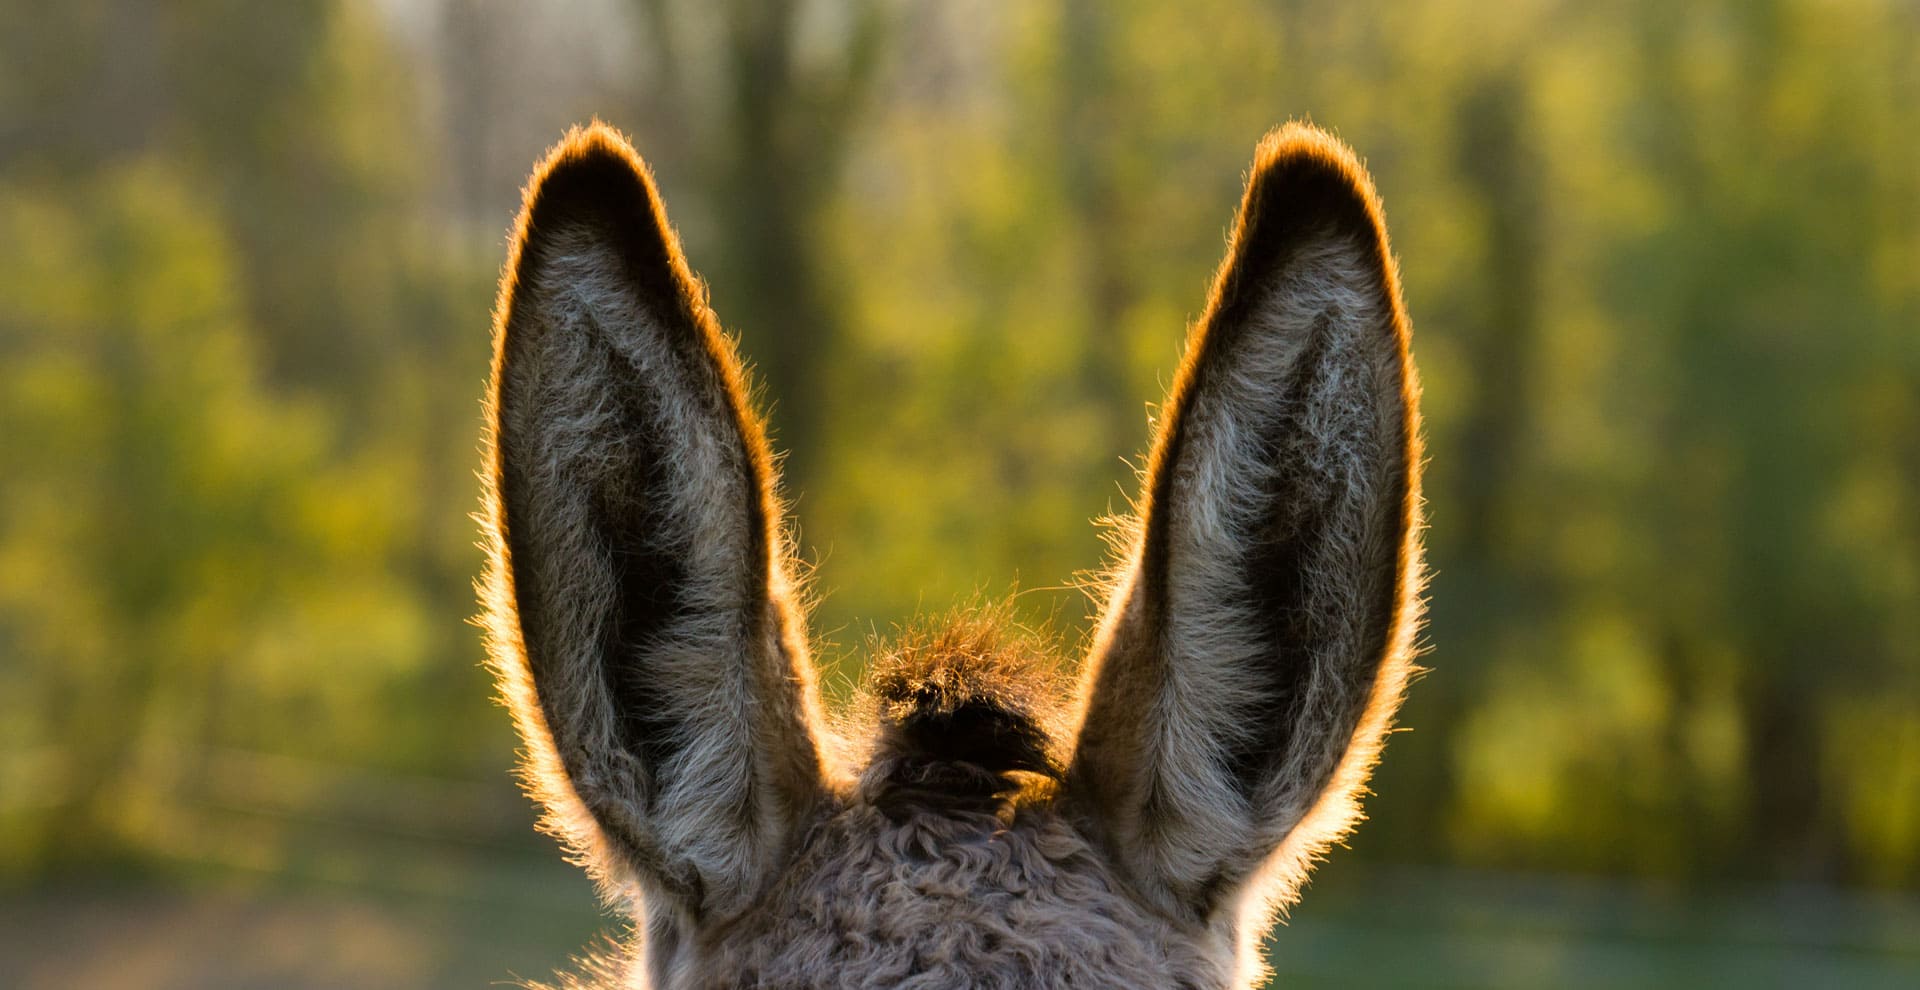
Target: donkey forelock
971, 820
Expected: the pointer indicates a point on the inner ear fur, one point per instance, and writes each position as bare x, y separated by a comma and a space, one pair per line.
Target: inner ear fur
1259, 631
642, 622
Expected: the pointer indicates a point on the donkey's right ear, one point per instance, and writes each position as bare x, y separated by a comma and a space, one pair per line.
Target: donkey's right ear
643, 629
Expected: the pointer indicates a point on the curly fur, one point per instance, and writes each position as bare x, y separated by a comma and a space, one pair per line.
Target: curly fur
970, 823
962, 715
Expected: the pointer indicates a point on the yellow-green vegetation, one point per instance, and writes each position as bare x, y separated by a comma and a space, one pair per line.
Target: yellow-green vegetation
1663, 261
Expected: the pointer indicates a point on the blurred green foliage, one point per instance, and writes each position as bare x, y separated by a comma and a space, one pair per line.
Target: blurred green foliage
1663, 259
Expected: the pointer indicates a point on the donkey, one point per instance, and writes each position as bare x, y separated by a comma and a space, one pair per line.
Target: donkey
971, 825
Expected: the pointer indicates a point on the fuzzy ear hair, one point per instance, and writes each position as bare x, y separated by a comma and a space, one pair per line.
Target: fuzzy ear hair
1258, 636
642, 626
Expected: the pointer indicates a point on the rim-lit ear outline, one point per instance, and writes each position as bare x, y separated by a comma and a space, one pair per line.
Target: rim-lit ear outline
1160, 799
593, 196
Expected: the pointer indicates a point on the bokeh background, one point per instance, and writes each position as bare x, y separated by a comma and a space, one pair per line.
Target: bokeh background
1664, 264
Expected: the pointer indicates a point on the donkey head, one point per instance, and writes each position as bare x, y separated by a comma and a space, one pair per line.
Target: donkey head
974, 827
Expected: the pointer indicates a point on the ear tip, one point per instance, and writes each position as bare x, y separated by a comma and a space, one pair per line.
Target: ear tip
1303, 135
595, 139
1302, 168
591, 169
1307, 147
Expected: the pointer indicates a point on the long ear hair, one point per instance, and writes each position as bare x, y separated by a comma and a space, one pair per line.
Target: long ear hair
1260, 627
642, 621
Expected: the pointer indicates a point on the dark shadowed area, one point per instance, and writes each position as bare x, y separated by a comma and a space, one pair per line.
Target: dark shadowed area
1663, 263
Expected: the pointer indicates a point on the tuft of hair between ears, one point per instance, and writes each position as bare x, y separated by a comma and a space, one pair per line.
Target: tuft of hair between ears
965, 716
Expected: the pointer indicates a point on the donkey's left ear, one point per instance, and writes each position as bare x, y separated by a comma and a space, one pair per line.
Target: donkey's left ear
1259, 632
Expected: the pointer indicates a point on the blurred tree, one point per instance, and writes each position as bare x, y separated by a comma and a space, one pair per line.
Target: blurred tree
1665, 262
161, 517
237, 450
767, 140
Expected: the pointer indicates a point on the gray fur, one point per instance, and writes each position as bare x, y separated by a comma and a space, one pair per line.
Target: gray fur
971, 826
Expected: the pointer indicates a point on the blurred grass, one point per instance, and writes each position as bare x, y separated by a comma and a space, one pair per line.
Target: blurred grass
1363, 926
413, 881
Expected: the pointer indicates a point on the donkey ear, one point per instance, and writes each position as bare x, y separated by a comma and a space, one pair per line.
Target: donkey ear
642, 626
1258, 636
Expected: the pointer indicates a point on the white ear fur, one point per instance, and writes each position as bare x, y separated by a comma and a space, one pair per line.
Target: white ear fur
1260, 626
